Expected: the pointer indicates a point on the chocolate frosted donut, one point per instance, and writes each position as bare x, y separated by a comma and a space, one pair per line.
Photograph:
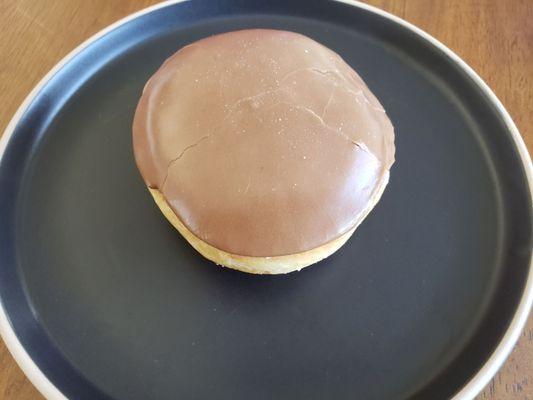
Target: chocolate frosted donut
263, 148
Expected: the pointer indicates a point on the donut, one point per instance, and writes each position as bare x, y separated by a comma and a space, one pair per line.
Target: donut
263, 148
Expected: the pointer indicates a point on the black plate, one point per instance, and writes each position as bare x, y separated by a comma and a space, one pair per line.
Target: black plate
111, 303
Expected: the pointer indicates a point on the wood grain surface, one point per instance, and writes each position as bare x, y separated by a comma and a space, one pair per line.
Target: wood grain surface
494, 36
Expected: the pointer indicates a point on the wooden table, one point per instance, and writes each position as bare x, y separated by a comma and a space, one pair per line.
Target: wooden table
494, 36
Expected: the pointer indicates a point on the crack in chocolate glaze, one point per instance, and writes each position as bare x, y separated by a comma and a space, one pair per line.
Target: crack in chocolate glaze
362, 146
251, 98
181, 154
325, 109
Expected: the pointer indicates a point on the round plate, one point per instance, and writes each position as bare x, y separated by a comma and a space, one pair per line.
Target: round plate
102, 298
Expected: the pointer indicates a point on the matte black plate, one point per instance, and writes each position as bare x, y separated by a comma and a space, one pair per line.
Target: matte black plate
111, 303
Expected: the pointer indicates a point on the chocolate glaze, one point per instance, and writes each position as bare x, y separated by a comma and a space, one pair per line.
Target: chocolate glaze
263, 142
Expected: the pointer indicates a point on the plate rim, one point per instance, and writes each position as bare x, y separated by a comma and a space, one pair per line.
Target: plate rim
509, 339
